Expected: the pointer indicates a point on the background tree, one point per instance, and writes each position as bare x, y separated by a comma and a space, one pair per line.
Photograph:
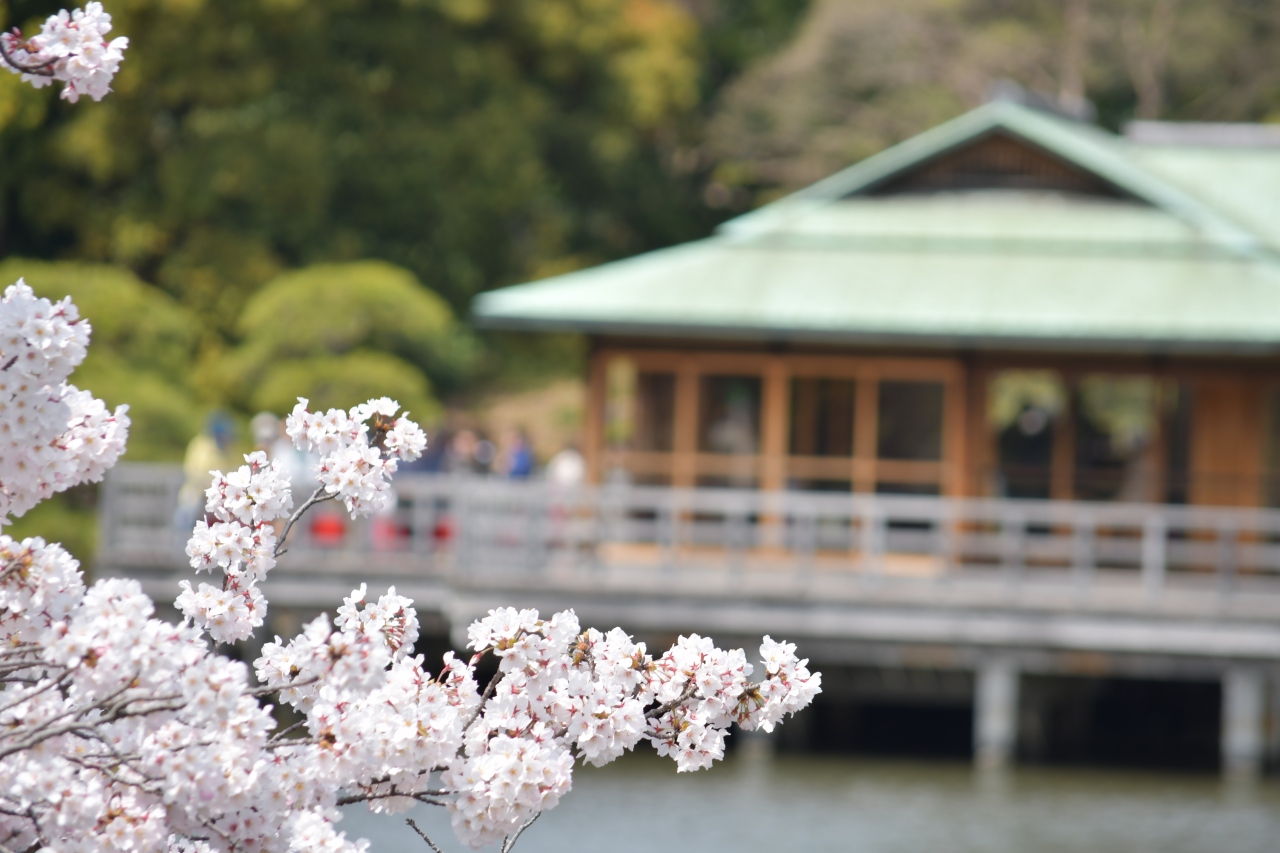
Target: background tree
144, 349
353, 331
862, 75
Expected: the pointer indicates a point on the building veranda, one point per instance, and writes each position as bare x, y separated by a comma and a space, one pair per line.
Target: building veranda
1013, 304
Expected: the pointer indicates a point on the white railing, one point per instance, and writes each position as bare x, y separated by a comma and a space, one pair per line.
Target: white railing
1202, 561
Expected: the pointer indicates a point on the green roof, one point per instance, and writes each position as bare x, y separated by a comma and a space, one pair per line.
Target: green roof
1186, 257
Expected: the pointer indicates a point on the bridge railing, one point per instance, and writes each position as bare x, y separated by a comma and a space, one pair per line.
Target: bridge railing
752, 542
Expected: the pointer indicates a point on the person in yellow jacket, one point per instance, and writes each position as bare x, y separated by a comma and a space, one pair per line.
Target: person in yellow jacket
211, 450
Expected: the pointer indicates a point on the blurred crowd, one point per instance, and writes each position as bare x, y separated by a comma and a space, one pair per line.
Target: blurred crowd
463, 452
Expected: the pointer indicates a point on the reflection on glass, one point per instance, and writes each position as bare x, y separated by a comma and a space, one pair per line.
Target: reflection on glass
1023, 409
1176, 407
655, 411
729, 414
910, 425
822, 417
639, 408
1115, 423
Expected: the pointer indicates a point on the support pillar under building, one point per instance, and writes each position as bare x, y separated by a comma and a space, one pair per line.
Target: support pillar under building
1243, 721
995, 713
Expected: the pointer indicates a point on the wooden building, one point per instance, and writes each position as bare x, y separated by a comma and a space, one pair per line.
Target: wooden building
1011, 304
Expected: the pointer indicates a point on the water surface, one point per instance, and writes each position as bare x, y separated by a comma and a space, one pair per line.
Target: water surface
816, 805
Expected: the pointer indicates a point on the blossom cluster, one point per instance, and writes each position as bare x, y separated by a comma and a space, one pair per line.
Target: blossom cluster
72, 48
122, 732
358, 451
52, 434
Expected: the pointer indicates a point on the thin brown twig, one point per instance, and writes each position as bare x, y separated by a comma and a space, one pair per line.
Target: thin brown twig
488, 694
279, 736
422, 835
41, 69
689, 691
510, 840
318, 496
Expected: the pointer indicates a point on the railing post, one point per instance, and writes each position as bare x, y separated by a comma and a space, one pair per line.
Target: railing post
1154, 553
1013, 531
463, 528
1082, 551
872, 520
1227, 556
948, 538
534, 526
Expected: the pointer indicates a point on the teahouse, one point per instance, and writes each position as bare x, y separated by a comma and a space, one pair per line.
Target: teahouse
1010, 304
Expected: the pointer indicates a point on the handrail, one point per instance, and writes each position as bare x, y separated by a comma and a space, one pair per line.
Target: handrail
793, 543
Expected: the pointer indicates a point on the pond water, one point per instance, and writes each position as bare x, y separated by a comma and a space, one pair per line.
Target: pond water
842, 805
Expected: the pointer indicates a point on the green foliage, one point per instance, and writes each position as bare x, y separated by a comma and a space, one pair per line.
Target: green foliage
68, 519
861, 75
471, 142
338, 381
341, 332
141, 351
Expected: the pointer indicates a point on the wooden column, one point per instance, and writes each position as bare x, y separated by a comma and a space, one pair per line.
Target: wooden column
866, 432
684, 463
1157, 451
1062, 461
981, 457
774, 425
955, 447
593, 420
1226, 442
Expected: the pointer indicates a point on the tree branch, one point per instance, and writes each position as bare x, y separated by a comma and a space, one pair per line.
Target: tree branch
318, 496
422, 835
689, 691
42, 69
488, 694
510, 840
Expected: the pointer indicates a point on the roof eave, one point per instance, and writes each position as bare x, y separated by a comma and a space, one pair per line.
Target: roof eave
1094, 345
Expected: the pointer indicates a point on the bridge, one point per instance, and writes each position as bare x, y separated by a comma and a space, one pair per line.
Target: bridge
975, 593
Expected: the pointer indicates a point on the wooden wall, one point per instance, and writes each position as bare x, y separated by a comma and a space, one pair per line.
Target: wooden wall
1229, 418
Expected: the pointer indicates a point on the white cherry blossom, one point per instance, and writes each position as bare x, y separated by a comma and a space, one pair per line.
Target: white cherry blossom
71, 48
122, 732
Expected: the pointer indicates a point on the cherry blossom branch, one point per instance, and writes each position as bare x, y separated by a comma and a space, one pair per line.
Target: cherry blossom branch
43, 69
688, 693
428, 797
510, 840
149, 708
279, 737
320, 495
422, 835
485, 697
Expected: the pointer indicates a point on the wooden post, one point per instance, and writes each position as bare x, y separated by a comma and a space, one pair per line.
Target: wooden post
866, 433
593, 420
955, 447
684, 459
773, 449
995, 713
773, 426
1062, 461
981, 441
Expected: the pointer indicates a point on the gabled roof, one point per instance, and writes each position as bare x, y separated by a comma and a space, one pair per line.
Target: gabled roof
1170, 261
1083, 145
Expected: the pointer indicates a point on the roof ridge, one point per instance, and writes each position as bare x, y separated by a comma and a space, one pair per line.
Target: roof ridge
1085, 145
